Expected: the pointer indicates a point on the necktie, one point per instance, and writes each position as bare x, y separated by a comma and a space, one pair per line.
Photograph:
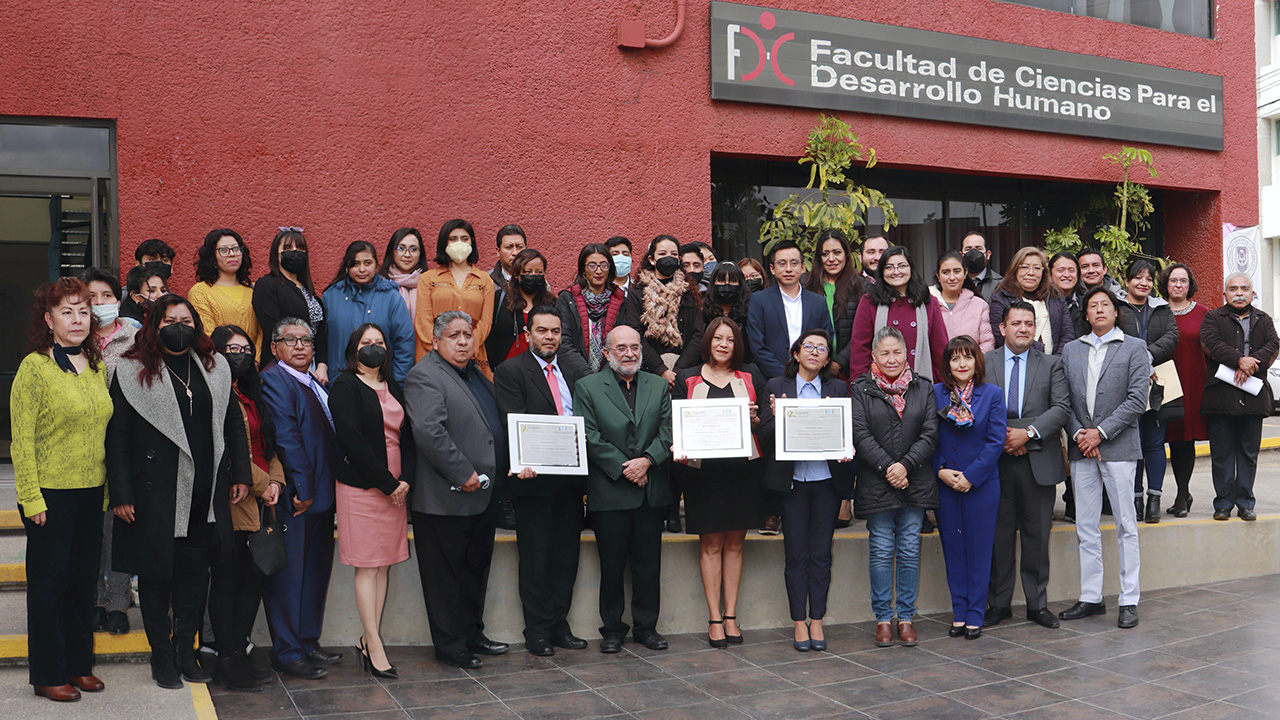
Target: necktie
1015, 380
324, 405
555, 388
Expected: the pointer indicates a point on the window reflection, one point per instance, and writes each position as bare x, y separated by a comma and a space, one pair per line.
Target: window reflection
1189, 17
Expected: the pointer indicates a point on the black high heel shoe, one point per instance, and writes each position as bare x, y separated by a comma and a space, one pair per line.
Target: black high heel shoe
367, 664
733, 639
722, 642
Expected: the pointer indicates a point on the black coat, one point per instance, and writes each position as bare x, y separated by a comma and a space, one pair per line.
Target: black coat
1061, 326
275, 299
1223, 340
520, 386
778, 474
1162, 329
359, 429
881, 438
507, 325
689, 323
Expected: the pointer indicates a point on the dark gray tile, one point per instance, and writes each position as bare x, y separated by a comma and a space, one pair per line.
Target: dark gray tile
1019, 662
271, 704
591, 655
1265, 663
1084, 648
602, 675
1081, 681
1074, 710
771, 653
961, 649
1220, 711
868, 692
1216, 682
653, 695
1006, 697
676, 645
1203, 598
787, 705
483, 711
933, 707
511, 662
822, 671
1028, 634
894, 659
531, 684
1148, 701
378, 715
1215, 648
1151, 665
1264, 699
698, 663
570, 706
329, 701
948, 676
439, 693
714, 710
734, 683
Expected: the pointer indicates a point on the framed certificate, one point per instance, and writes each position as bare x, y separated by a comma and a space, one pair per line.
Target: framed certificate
703, 429
813, 429
547, 444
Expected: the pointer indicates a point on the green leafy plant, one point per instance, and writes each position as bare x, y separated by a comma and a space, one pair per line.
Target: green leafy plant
1065, 240
835, 200
1131, 203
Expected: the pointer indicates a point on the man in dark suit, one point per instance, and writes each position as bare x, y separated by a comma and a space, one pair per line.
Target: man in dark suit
294, 597
777, 315
549, 524
461, 447
627, 414
1039, 404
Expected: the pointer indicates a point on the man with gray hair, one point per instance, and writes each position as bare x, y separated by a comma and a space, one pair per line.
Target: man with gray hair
1242, 339
294, 597
461, 447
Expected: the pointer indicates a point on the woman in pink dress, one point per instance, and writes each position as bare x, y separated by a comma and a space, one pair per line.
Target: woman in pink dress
375, 443
1178, 285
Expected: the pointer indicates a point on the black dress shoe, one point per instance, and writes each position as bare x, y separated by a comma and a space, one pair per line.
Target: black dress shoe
569, 641
673, 522
487, 647
320, 657
653, 641
1153, 508
610, 644
541, 648
163, 671
117, 622
1180, 507
993, 616
99, 619
1128, 617
1043, 617
301, 668
506, 518
1221, 514
972, 633
957, 630
191, 671
1083, 609
1247, 515
464, 660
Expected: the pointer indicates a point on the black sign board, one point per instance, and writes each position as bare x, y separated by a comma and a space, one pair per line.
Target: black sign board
783, 57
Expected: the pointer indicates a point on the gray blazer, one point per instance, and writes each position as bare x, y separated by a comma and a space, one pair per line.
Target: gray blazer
1121, 397
452, 439
1047, 405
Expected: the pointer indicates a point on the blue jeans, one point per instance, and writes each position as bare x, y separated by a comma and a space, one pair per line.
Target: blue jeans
1153, 457
890, 532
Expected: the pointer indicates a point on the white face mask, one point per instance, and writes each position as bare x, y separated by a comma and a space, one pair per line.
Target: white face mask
458, 251
105, 315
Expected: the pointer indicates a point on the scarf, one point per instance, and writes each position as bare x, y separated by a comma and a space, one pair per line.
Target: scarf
61, 357
924, 360
895, 389
408, 286
661, 316
961, 410
597, 306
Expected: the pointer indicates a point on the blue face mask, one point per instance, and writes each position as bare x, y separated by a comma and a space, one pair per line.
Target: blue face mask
622, 263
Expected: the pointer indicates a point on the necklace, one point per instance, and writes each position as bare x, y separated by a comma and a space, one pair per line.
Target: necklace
1184, 310
186, 384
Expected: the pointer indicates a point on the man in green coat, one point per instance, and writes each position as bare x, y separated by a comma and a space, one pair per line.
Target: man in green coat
627, 414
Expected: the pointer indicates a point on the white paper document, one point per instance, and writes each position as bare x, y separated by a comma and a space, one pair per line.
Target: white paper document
1253, 385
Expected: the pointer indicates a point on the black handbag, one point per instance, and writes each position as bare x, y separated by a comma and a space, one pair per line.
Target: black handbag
266, 545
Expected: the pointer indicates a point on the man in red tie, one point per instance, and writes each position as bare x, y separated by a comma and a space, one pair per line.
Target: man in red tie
549, 507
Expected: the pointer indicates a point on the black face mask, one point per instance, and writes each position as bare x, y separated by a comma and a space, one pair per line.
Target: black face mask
975, 261
726, 294
667, 266
295, 261
164, 270
755, 284
177, 338
533, 284
240, 364
372, 356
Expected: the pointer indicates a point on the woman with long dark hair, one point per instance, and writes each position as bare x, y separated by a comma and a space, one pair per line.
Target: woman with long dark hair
963, 309
235, 585
591, 307
663, 306
900, 299
403, 263
727, 296
223, 293
287, 291
526, 290
59, 408
358, 295
1178, 284
833, 276
1028, 279
456, 283
177, 459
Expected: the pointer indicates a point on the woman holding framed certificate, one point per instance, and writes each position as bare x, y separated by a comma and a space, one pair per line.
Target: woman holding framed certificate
970, 440
723, 498
813, 490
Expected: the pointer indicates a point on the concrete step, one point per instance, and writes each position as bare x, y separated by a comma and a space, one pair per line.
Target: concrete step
13, 634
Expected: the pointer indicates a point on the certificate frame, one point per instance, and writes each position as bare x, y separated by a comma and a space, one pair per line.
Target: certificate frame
684, 420
845, 407
517, 423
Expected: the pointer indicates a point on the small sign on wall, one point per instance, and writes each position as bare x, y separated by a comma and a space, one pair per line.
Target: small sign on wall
1240, 248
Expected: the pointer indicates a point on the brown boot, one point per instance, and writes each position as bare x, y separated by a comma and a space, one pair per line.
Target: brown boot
907, 634
884, 634
58, 693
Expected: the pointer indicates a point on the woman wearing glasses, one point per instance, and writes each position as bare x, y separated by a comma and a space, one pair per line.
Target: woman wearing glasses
592, 307
404, 263
287, 291
1028, 279
223, 294
899, 299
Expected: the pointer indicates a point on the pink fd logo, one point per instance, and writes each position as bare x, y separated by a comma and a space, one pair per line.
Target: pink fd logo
767, 21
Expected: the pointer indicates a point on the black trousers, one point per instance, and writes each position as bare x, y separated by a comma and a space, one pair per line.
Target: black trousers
633, 536
454, 553
808, 521
184, 593
549, 538
1234, 441
1182, 458
62, 576
235, 592
1026, 509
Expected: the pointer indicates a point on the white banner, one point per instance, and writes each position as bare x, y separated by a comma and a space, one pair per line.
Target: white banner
1240, 248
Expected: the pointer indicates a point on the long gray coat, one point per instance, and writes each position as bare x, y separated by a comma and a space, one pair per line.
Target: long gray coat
452, 439
1047, 405
1121, 397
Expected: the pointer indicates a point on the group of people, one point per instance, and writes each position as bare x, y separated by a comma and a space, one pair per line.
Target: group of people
209, 422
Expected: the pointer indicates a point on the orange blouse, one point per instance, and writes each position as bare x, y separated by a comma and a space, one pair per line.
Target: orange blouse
438, 293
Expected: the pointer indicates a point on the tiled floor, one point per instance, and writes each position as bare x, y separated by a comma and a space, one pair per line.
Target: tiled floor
1200, 653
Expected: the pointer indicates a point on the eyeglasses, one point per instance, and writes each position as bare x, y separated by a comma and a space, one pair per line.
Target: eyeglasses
408, 249
815, 349
900, 267
229, 251
237, 348
289, 228
293, 341
597, 266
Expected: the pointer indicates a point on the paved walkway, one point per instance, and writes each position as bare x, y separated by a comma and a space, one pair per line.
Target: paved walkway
1200, 653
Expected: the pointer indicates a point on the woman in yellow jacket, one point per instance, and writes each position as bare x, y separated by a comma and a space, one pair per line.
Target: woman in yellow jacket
455, 284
